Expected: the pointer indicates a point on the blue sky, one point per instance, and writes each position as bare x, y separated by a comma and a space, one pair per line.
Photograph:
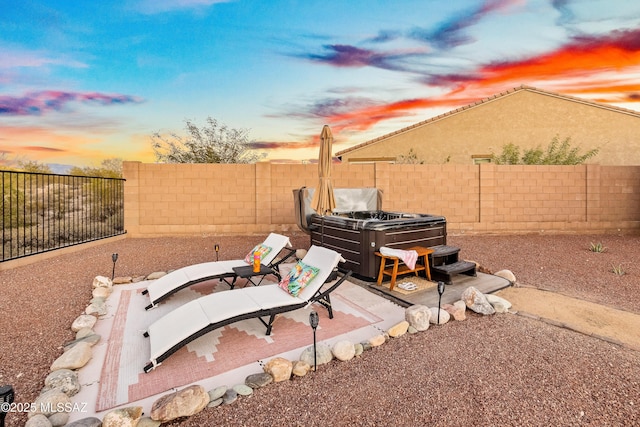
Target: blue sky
84, 81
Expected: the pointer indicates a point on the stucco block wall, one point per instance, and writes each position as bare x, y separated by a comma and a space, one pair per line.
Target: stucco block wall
285, 178
245, 199
450, 190
619, 193
538, 193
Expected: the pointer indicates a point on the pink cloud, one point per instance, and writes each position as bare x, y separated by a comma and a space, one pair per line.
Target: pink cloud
38, 103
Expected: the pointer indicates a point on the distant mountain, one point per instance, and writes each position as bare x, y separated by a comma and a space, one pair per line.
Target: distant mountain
59, 168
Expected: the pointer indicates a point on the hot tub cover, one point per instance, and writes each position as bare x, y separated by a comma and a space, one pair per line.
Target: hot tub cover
347, 200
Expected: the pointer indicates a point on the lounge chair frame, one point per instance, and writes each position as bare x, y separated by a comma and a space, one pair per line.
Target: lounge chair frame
288, 252
321, 296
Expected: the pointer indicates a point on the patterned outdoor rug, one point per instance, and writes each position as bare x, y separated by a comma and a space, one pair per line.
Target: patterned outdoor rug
123, 381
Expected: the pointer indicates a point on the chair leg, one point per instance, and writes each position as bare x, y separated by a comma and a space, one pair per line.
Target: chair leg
270, 324
325, 301
329, 307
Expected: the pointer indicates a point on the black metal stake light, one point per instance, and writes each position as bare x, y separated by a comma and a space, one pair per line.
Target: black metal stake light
440, 292
216, 247
114, 258
6, 399
313, 321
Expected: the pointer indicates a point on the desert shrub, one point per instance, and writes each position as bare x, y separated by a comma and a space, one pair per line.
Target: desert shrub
597, 247
618, 270
557, 153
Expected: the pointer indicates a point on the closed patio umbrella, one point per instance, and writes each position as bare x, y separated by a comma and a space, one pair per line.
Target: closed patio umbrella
323, 200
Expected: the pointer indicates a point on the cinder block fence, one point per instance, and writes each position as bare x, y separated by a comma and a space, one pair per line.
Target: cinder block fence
188, 199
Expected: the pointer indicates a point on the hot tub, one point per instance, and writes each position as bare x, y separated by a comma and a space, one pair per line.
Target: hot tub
358, 234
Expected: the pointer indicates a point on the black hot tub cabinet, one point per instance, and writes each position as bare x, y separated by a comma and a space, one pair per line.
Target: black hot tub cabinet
358, 235
358, 227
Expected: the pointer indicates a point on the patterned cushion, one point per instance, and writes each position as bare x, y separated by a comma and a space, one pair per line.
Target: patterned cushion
262, 252
298, 278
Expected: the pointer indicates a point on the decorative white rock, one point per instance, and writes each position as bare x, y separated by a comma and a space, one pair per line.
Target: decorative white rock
243, 390
323, 354
443, 318
74, 358
500, 304
217, 392
418, 317
102, 282
65, 380
457, 310
279, 368
477, 301
378, 340
506, 274
300, 368
101, 292
398, 329
48, 403
38, 420
183, 403
83, 321
156, 275
124, 417
344, 350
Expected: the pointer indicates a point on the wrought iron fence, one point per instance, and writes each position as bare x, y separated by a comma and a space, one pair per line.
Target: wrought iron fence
42, 212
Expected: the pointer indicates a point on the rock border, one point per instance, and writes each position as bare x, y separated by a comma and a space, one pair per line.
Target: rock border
62, 383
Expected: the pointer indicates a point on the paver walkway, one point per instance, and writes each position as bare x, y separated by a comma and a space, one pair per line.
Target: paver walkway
617, 326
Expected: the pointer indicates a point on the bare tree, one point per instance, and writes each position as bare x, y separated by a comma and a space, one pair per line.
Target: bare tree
213, 143
33, 166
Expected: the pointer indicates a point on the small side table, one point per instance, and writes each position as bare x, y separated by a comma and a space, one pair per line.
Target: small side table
246, 272
400, 268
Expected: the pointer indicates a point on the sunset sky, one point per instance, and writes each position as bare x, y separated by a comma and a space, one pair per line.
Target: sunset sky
85, 81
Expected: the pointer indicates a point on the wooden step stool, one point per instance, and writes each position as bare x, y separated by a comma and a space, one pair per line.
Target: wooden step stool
399, 267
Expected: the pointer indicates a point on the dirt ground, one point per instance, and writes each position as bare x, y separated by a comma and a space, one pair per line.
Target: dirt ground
560, 279
508, 370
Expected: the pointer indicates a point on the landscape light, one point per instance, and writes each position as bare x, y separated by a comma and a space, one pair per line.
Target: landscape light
216, 247
6, 399
114, 258
440, 292
313, 321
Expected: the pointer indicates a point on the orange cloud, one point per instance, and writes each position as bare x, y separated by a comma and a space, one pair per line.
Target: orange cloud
366, 118
579, 67
46, 146
568, 62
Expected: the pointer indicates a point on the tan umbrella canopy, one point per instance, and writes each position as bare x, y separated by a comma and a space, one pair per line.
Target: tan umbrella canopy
323, 200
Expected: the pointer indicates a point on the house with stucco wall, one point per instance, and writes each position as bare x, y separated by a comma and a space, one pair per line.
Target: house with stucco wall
525, 116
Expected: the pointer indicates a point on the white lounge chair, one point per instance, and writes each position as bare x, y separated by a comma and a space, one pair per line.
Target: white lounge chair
205, 314
184, 277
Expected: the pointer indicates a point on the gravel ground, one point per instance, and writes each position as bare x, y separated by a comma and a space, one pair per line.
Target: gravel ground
502, 369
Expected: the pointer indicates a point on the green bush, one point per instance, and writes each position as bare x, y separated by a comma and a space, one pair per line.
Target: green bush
556, 153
